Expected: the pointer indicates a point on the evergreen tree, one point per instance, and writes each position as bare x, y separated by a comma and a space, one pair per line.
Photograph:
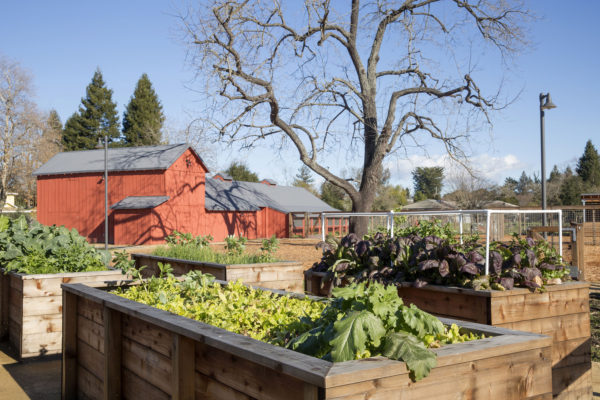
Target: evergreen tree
588, 166
554, 174
143, 118
570, 190
524, 184
304, 179
54, 122
97, 117
428, 181
240, 172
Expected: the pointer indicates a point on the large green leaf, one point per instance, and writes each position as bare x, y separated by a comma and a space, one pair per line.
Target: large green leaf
4, 223
354, 334
406, 347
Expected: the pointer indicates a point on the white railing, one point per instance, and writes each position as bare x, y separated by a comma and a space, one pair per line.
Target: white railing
459, 213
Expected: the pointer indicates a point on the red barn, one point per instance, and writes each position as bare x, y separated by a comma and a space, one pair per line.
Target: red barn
154, 190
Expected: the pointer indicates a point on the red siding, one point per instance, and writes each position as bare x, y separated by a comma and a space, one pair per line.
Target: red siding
77, 201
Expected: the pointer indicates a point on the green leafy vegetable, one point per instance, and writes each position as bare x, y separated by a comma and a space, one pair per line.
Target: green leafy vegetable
33, 248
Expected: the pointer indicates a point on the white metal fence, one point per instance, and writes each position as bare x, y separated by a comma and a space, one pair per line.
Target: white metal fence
493, 225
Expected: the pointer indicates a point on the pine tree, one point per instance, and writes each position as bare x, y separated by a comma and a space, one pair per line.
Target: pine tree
54, 122
143, 118
97, 117
588, 166
554, 174
304, 179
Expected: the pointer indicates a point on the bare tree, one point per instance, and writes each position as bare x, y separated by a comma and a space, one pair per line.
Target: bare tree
372, 78
38, 147
470, 191
19, 123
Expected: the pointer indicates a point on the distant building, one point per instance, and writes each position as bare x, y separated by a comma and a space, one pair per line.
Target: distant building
154, 190
9, 203
590, 199
431, 205
498, 204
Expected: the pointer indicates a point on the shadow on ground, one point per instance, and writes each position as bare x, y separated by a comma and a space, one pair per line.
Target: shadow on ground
32, 379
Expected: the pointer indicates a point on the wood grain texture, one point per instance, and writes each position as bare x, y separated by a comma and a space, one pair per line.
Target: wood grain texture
34, 308
158, 350
286, 275
112, 354
69, 358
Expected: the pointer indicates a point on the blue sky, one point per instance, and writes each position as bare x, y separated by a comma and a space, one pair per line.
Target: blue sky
61, 43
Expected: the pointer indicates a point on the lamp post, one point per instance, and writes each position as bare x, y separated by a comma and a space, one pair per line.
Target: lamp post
545, 104
105, 188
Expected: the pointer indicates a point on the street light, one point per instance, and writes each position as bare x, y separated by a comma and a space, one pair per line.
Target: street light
105, 188
545, 104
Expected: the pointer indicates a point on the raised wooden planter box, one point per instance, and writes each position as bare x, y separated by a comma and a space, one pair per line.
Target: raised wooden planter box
282, 275
31, 309
562, 312
115, 347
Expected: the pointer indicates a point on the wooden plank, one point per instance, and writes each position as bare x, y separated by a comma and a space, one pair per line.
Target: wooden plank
580, 251
4, 304
156, 338
571, 352
183, 368
91, 333
15, 305
88, 386
348, 372
457, 305
560, 328
289, 286
245, 376
40, 344
210, 389
149, 365
15, 335
489, 378
572, 379
135, 388
91, 310
525, 306
47, 323
112, 354
69, 345
90, 359
42, 305
50, 285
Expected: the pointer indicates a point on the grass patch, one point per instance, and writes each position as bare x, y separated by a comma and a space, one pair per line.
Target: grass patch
205, 253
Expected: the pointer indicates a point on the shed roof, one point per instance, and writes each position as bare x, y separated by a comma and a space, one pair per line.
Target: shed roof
250, 196
139, 202
431, 204
119, 159
222, 175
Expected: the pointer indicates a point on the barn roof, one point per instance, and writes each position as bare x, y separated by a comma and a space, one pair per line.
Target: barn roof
139, 202
430, 204
119, 159
250, 196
